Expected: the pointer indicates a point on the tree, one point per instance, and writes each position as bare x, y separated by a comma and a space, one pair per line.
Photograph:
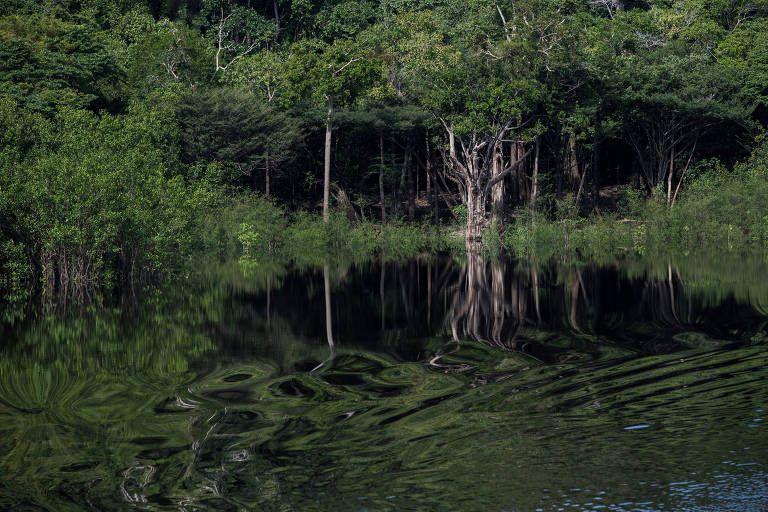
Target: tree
49, 63
671, 97
92, 198
263, 74
332, 74
232, 129
161, 53
236, 31
478, 97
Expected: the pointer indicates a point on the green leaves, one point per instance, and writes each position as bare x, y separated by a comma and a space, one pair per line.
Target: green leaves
49, 63
95, 191
339, 70
237, 131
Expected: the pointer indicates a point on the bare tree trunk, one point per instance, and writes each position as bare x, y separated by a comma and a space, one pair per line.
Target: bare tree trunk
581, 185
396, 186
596, 164
573, 161
436, 206
418, 179
515, 192
570, 175
669, 176
327, 169
475, 202
535, 183
381, 178
406, 179
409, 169
428, 168
559, 180
498, 190
682, 175
266, 175
520, 181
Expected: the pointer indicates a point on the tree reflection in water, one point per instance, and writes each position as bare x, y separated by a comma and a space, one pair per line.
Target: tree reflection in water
283, 389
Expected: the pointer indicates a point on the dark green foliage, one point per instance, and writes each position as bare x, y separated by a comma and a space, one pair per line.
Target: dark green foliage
93, 196
159, 53
232, 128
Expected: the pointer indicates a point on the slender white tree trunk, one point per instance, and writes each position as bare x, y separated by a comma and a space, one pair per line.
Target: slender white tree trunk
327, 170
266, 175
381, 179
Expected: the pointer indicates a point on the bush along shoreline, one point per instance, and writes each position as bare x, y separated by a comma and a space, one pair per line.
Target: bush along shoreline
720, 210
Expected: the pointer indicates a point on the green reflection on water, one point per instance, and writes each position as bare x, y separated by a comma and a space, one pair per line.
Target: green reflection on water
482, 386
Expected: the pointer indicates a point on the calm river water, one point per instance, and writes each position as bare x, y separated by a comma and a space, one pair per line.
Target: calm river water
452, 383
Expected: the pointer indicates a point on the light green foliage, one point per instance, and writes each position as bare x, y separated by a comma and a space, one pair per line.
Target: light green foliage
263, 235
721, 210
345, 19
266, 234
262, 232
94, 193
471, 91
461, 213
262, 73
49, 63
745, 51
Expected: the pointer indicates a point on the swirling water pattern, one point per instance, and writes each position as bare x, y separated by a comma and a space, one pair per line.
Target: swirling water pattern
449, 386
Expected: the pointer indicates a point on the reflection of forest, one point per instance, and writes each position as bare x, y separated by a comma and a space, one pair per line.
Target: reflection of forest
207, 390
511, 304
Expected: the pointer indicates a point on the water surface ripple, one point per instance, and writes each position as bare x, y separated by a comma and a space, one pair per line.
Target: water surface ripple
449, 385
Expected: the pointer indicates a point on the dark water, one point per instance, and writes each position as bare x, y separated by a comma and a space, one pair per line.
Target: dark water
450, 384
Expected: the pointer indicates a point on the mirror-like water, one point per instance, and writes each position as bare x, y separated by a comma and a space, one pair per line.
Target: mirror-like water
427, 385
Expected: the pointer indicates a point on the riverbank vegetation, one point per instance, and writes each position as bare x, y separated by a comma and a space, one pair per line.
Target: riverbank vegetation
722, 210
138, 137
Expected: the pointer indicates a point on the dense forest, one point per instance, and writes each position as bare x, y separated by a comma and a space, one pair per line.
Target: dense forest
130, 129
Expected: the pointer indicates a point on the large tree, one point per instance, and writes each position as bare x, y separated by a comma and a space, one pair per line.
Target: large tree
479, 95
231, 128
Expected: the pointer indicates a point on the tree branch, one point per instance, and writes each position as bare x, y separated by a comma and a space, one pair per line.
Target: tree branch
345, 65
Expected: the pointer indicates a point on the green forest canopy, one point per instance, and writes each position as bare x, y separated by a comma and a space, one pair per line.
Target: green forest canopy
124, 122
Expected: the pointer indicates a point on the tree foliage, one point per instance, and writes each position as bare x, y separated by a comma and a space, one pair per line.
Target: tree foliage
121, 119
